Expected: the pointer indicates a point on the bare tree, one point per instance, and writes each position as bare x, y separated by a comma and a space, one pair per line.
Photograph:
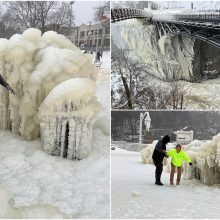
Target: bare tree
37, 14
136, 88
102, 14
61, 16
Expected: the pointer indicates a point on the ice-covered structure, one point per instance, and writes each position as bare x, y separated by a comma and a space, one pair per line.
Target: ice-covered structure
168, 58
205, 156
67, 116
34, 64
207, 166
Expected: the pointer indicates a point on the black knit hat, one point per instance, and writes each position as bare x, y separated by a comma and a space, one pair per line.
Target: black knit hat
166, 139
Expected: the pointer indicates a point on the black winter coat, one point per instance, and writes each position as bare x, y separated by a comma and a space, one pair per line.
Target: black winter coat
158, 153
2, 81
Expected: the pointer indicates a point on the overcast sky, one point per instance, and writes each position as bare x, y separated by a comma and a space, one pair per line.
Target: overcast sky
84, 11
199, 5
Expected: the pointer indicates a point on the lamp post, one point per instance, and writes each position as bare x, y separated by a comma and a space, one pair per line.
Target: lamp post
89, 35
147, 122
71, 14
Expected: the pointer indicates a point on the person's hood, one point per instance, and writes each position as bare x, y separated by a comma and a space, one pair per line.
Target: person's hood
166, 139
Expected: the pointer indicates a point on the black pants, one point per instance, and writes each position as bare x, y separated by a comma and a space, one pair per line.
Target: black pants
159, 169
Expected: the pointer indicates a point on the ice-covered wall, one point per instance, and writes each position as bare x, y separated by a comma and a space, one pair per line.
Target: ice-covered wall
33, 64
169, 58
67, 116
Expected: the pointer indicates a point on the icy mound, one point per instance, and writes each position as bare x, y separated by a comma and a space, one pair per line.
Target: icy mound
8, 209
33, 65
67, 116
147, 152
208, 162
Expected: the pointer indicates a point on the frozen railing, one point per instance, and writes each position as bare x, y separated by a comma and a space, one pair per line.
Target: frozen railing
127, 13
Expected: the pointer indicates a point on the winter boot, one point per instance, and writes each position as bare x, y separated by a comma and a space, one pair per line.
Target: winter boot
171, 181
159, 183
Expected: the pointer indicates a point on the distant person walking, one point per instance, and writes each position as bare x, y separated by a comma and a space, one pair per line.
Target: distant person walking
158, 156
98, 56
6, 85
177, 155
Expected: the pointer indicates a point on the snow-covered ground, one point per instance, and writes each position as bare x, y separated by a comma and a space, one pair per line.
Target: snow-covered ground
79, 189
134, 194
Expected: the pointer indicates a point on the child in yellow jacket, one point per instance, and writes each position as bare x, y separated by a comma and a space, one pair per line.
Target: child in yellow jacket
177, 155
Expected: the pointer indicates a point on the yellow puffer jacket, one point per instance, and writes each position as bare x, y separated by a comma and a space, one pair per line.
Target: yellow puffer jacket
177, 158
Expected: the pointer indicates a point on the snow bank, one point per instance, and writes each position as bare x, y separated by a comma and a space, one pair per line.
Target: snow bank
79, 189
8, 209
146, 153
33, 65
67, 116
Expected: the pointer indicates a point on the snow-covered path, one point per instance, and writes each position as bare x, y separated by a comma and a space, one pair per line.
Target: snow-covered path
79, 188
134, 194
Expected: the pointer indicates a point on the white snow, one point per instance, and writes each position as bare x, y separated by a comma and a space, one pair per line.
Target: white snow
134, 194
79, 188
8, 209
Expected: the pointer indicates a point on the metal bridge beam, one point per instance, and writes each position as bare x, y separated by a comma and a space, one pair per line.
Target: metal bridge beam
211, 36
127, 13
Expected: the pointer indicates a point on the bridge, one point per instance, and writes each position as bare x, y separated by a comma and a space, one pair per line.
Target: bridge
203, 25
127, 13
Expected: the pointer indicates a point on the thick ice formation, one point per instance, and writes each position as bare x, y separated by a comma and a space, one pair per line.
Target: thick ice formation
8, 209
208, 162
205, 156
67, 116
169, 58
33, 65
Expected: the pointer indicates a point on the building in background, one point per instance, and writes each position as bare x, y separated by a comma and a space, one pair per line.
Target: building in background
91, 37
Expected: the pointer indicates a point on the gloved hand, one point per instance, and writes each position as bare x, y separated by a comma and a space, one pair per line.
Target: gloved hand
11, 90
190, 164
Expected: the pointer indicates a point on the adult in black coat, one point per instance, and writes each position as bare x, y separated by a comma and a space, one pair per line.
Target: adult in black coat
6, 85
158, 156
